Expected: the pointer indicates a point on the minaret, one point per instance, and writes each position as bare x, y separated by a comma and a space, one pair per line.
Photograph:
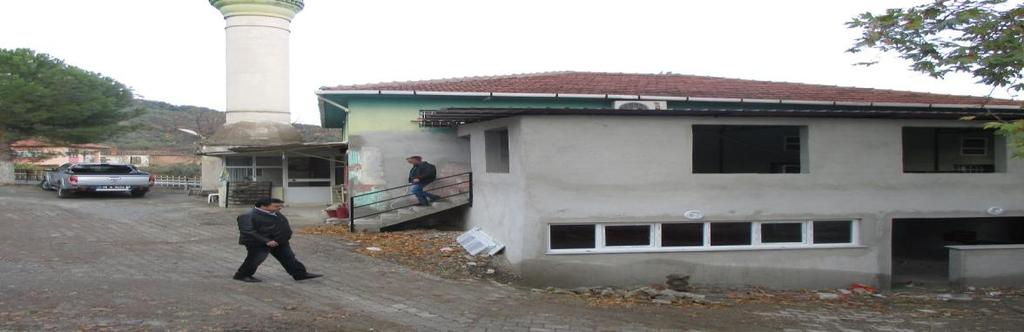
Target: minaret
257, 72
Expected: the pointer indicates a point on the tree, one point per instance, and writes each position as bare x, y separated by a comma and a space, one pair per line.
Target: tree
42, 97
984, 38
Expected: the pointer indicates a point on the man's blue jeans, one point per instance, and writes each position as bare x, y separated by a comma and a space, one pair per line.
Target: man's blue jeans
423, 196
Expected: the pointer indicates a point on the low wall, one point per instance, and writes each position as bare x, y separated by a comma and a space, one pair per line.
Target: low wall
986, 265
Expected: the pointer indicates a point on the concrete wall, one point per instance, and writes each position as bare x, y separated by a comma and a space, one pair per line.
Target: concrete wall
986, 265
604, 169
498, 197
382, 133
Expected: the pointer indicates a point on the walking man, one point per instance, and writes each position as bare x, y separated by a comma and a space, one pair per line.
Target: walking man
422, 174
264, 230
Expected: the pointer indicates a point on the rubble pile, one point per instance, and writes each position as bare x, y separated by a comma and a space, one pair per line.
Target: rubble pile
424, 250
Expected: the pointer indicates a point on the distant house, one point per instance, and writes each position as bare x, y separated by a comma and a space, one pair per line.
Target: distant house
147, 158
621, 179
46, 155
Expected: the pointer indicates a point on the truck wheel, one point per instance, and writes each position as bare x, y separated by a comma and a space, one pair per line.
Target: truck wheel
43, 185
138, 193
63, 193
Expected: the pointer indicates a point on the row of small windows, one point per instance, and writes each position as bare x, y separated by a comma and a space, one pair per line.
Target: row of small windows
706, 235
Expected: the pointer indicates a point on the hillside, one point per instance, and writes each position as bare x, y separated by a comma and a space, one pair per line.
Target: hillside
157, 129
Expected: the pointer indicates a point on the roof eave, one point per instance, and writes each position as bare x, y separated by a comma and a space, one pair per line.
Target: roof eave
323, 91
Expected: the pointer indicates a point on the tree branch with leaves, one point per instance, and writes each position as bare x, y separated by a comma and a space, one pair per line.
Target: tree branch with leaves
983, 38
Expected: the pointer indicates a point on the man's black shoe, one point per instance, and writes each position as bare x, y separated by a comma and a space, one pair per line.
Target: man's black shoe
308, 276
247, 279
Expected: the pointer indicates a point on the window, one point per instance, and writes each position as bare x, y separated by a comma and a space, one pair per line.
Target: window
631, 235
791, 143
782, 233
730, 233
702, 236
748, 149
135, 160
840, 231
572, 236
974, 146
260, 168
682, 235
496, 150
949, 150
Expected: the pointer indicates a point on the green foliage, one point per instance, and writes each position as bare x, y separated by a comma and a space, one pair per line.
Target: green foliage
41, 96
982, 37
187, 170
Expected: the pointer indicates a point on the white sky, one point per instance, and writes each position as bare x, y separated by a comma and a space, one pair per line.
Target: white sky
173, 50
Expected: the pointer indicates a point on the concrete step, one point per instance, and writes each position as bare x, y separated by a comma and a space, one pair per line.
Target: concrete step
376, 223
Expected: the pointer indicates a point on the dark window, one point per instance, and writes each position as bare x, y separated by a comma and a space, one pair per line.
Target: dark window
747, 149
103, 169
572, 236
782, 232
791, 143
833, 231
682, 235
949, 150
496, 151
730, 233
974, 147
627, 235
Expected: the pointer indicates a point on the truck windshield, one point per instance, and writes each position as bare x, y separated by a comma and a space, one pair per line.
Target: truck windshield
102, 169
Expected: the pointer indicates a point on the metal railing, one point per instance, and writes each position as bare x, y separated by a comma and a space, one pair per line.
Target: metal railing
178, 182
29, 176
381, 201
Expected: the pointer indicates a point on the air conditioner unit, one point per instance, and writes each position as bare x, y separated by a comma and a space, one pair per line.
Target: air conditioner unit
641, 105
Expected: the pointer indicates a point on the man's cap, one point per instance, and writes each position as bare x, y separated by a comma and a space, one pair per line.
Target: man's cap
415, 157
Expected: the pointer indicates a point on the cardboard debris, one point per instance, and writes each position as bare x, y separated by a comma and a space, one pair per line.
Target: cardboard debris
475, 241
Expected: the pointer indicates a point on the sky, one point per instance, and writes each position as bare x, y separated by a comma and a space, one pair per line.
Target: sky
173, 50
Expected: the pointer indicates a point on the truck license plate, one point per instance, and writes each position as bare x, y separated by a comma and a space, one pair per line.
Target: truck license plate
112, 188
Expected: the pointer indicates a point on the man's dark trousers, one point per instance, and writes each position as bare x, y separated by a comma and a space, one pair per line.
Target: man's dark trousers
257, 253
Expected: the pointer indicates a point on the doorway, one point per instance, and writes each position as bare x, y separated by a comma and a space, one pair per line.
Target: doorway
919, 253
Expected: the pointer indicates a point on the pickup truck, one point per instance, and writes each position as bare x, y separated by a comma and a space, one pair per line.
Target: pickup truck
69, 179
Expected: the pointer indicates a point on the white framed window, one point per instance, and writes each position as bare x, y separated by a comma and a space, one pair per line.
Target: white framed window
791, 143
701, 236
974, 146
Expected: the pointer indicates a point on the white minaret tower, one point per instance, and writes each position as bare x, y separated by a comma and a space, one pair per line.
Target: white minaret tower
257, 72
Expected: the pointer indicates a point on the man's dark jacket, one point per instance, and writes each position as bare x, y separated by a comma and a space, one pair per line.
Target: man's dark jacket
426, 172
258, 228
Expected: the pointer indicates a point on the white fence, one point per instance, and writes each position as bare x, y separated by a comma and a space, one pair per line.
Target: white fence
178, 182
28, 176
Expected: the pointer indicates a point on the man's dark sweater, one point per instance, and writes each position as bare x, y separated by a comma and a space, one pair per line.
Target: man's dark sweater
257, 228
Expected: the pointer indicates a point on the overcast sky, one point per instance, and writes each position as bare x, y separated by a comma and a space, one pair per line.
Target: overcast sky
173, 50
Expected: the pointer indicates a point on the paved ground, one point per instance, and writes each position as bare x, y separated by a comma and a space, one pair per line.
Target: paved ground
164, 263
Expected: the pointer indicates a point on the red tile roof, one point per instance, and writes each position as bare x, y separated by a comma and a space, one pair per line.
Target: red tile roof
32, 143
669, 85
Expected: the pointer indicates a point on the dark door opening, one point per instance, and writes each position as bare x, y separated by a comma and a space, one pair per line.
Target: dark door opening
919, 253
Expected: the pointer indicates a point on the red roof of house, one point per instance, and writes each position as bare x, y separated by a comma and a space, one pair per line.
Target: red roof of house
669, 85
32, 143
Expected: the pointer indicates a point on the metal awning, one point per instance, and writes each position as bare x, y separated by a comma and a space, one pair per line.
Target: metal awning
275, 148
454, 117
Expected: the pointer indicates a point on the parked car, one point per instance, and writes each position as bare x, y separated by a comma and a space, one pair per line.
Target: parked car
69, 179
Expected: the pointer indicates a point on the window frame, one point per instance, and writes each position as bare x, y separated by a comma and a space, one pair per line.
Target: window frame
983, 148
807, 237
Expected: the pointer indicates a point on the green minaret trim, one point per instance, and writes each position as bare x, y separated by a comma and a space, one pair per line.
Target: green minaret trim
285, 9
